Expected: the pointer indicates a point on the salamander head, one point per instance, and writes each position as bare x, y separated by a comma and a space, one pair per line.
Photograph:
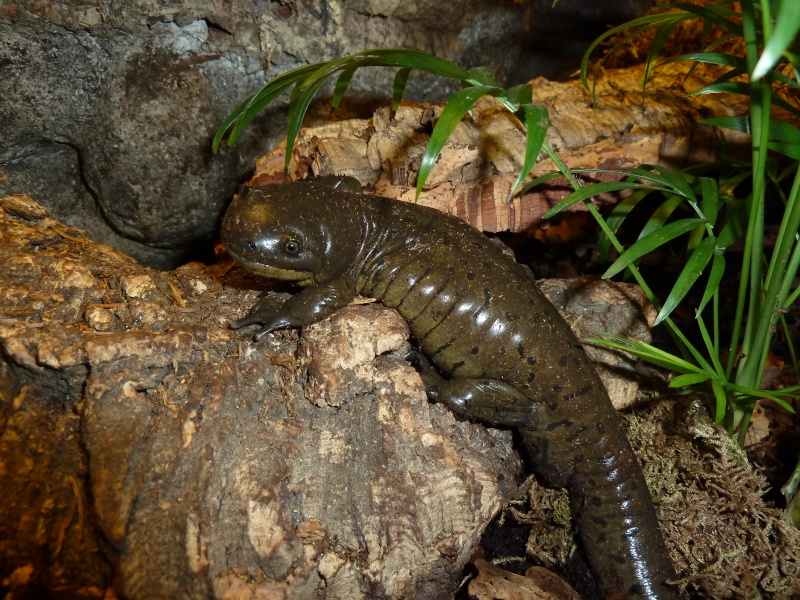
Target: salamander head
299, 231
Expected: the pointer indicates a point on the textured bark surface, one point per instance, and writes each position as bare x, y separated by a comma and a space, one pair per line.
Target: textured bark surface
155, 450
152, 449
146, 448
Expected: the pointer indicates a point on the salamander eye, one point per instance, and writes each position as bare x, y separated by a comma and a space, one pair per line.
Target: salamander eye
291, 246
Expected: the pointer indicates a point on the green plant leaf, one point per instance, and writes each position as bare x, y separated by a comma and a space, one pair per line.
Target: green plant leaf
308, 77
689, 275
646, 352
342, 83
709, 199
787, 24
782, 131
721, 400
249, 108
661, 215
640, 24
663, 32
298, 105
650, 242
734, 228
713, 58
727, 187
458, 104
668, 179
725, 87
588, 191
483, 76
617, 217
416, 59
540, 180
790, 150
712, 346
714, 277
749, 395
399, 87
689, 379
537, 122
713, 13
520, 94
740, 123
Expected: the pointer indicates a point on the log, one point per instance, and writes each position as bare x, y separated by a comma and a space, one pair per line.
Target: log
151, 448
154, 450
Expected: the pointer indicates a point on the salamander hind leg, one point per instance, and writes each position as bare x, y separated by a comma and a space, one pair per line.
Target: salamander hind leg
489, 400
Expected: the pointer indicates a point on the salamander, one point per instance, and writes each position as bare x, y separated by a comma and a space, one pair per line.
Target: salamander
500, 351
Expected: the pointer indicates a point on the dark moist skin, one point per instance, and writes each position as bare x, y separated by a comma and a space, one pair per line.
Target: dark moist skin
507, 356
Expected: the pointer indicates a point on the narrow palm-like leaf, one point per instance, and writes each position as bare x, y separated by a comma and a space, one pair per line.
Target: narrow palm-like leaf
714, 14
709, 199
399, 87
688, 379
247, 110
617, 217
713, 58
646, 352
689, 275
641, 24
520, 94
738, 123
727, 187
416, 59
734, 228
542, 179
589, 191
650, 242
453, 111
714, 278
342, 83
661, 215
721, 400
725, 87
537, 122
782, 131
656, 45
752, 394
308, 77
298, 105
790, 150
483, 76
669, 179
787, 24
711, 347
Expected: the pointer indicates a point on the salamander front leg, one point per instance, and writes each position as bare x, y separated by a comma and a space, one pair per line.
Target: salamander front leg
263, 311
308, 306
489, 400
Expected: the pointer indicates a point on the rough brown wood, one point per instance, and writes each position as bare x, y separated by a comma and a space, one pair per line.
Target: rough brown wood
152, 449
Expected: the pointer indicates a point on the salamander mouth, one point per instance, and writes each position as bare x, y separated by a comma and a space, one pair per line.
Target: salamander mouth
301, 277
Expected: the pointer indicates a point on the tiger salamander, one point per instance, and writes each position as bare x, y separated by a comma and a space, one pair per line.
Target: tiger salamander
503, 354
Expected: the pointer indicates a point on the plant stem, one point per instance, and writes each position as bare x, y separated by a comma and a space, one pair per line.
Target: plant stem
747, 374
